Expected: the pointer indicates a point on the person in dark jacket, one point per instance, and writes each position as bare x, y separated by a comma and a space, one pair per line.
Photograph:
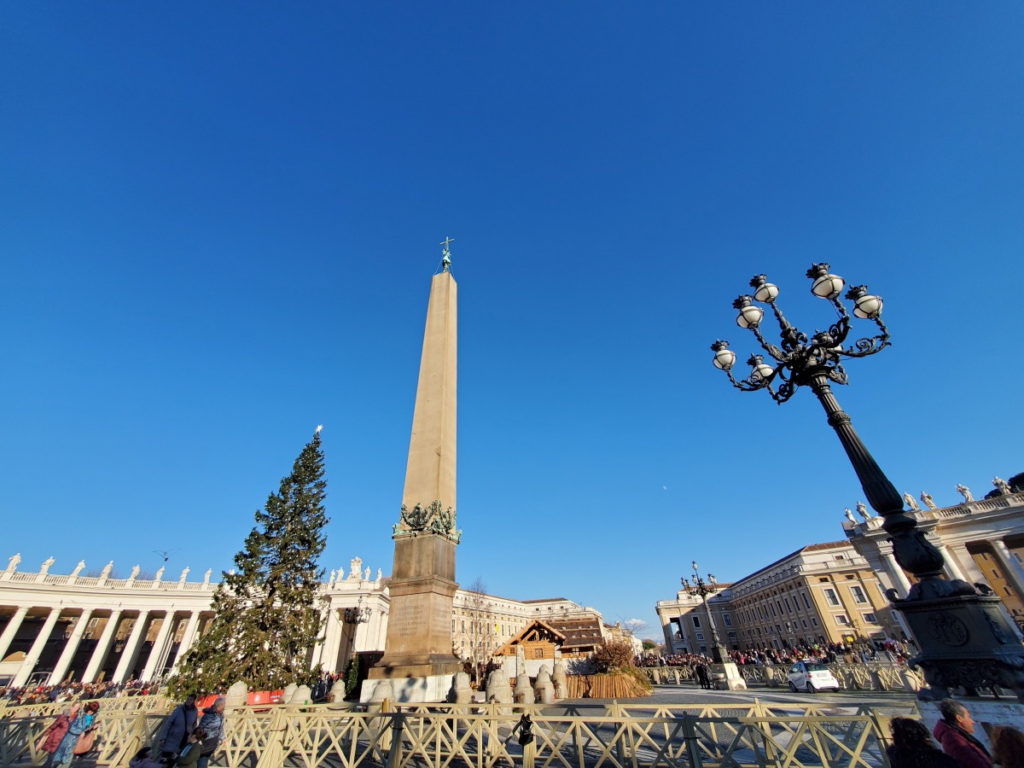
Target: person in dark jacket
912, 746
212, 723
176, 729
954, 731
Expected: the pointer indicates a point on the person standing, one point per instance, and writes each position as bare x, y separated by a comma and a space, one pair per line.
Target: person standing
954, 731
175, 731
212, 724
82, 723
54, 735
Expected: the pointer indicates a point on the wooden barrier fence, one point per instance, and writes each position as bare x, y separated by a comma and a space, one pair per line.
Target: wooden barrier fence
744, 735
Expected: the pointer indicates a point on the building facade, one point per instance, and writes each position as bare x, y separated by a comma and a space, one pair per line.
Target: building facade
981, 540
56, 627
821, 593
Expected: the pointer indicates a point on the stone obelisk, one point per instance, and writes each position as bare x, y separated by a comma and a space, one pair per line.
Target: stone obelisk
418, 659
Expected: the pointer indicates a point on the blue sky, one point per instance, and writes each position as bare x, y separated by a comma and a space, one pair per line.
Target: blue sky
218, 224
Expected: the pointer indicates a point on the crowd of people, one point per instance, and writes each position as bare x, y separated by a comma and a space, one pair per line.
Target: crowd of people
186, 739
889, 650
68, 691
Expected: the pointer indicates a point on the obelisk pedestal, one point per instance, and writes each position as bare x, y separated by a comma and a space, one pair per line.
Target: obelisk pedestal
418, 659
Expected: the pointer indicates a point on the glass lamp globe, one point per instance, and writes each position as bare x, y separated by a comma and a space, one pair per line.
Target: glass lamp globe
825, 285
761, 370
724, 359
749, 316
763, 290
868, 307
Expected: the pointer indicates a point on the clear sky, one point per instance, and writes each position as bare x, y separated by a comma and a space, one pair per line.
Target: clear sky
218, 222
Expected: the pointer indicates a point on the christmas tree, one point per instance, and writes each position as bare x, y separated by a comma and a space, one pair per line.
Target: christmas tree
267, 614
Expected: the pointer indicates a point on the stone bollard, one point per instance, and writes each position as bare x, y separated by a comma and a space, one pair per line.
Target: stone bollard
337, 694
560, 679
523, 693
499, 691
544, 687
911, 680
461, 692
301, 695
236, 696
289, 689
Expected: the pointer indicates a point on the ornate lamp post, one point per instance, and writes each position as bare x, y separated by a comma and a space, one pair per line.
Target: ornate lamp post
965, 639
702, 588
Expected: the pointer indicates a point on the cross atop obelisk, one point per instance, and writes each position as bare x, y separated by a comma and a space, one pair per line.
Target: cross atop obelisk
446, 253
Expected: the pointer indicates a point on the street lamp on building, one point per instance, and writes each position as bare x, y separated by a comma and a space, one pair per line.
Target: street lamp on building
964, 638
701, 588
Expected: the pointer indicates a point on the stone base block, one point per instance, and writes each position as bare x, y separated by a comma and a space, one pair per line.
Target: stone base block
727, 677
411, 690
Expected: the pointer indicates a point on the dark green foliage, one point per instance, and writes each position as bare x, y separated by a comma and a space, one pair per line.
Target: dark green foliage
268, 613
352, 675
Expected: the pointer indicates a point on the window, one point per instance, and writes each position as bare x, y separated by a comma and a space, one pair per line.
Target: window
804, 623
858, 594
814, 621
696, 621
789, 605
700, 635
830, 595
807, 603
842, 620
870, 618
727, 619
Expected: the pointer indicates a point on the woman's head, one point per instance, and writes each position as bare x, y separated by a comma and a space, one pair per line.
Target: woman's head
92, 707
910, 734
1008, 747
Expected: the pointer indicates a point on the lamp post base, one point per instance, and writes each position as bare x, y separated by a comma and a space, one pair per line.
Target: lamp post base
966, 642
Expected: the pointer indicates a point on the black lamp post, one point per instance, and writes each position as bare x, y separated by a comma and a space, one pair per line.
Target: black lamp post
964, 637
702, 588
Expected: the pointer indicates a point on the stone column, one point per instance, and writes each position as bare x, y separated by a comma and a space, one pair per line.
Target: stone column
11, 630
332, 642
1013, 570
70, 647
896, 573
187, 638
131, 648
99, 654
36, 650
952, 567
159, 651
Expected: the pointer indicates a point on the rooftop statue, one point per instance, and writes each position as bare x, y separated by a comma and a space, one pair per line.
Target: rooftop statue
911, 501
1001, 485
964, 491
12, 561
862, 510
849, 515
45, 567
927, 499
